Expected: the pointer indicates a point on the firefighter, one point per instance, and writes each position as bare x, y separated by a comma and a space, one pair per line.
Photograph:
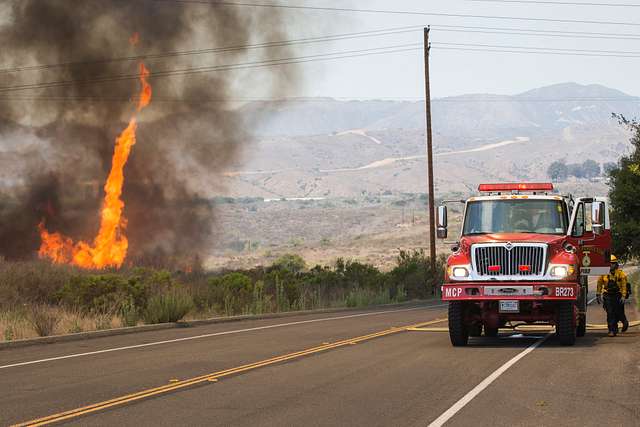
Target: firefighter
613, 290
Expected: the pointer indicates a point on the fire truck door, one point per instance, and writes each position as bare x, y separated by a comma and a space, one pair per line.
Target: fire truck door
593, 245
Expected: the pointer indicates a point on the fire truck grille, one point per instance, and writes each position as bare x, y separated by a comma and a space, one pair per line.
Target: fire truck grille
494, 260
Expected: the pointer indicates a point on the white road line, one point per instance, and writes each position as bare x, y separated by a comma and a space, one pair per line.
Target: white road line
236, 331
446, 416
591, 300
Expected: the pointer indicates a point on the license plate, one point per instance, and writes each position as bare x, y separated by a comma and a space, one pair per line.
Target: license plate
509, 306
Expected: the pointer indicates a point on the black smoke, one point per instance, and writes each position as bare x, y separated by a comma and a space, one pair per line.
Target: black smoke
57, 141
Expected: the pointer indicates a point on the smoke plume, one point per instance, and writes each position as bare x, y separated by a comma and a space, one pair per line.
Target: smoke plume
56, 142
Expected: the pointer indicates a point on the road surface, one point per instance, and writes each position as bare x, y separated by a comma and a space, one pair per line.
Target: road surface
396, 378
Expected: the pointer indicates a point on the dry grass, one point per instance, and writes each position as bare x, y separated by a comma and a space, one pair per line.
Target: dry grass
40, 299
43, 319
19, 323
15, 326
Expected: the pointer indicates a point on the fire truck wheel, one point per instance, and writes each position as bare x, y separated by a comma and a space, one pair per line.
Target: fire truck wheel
490, 332
565, 328
581, 330
458, 332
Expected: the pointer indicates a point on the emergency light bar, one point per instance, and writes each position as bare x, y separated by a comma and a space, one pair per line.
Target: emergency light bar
492, 188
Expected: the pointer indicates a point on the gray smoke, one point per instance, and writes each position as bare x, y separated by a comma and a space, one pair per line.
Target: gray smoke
60, 139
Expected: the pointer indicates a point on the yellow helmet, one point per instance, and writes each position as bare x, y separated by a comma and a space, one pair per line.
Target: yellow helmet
614, 259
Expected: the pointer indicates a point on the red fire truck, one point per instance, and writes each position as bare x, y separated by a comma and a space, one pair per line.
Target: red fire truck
524, 255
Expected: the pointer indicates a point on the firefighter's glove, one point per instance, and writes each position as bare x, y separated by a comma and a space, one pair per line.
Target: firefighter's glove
622, 301
599, 299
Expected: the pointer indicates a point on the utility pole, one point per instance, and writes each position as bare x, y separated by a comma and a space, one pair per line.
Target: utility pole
432, 208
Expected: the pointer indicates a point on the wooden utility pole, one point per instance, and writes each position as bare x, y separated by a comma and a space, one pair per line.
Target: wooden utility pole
432, 208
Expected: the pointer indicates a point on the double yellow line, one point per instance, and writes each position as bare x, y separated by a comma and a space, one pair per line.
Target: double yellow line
212, 377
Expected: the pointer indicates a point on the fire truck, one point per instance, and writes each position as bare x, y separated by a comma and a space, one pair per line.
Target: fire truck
523, 256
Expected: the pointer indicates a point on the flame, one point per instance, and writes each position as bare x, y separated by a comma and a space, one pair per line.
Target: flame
110, 246
134, 39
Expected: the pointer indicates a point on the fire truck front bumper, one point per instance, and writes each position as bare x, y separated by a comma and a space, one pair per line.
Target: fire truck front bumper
532, 291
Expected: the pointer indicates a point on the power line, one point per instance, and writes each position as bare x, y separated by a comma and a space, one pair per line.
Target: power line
548, 49
331, 56
497, 50
225, 67
538, 33
592, 33
567, 3
398, 12
336, 37
454, 100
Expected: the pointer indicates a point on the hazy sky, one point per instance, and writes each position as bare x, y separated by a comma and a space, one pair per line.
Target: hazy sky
400, 75
454, 72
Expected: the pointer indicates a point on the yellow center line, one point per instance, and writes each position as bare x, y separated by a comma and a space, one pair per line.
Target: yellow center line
62, 416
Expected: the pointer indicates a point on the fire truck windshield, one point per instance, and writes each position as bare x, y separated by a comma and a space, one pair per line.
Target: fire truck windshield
516, 216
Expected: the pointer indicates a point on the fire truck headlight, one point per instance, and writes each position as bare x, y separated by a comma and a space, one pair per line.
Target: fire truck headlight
460, 272
561, 271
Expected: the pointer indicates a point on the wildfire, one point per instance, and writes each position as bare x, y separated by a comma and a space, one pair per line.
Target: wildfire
134, 39
109, 247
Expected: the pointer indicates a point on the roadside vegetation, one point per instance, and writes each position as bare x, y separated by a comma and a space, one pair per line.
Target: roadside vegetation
634, 280
39, 299
560, 170
624, 183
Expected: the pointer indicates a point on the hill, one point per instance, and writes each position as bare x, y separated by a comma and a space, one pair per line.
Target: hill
326, 147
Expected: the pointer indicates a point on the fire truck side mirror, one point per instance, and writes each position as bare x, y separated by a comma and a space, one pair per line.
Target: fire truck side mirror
442, 222
598, 217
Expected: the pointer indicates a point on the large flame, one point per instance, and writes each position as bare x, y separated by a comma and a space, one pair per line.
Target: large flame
110, 246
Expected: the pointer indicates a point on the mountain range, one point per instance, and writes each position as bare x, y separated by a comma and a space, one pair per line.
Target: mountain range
321, 147
549, 108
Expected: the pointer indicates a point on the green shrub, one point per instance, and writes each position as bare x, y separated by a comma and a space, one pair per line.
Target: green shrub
129, 313
151, 295
170, 306
358, 275
634, 281
9, 333
233, 292
290, 262
103, 292
413, 273
285, 287
366, 297
33, 282
260, 300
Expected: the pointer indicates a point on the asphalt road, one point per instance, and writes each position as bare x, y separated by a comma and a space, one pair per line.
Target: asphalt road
402, 378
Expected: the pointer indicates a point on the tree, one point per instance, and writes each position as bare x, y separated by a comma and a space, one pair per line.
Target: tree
575, 169
290, 262
624, 194
591, 169
558, 171
608, 167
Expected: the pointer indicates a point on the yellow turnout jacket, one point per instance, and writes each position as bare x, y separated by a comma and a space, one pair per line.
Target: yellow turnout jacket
614, 283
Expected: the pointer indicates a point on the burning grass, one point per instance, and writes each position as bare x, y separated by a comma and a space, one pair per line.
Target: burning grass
39, 298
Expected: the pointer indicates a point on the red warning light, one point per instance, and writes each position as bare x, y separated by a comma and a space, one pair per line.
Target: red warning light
538, 186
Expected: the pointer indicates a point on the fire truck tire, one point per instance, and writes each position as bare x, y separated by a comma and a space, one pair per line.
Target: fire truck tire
458, 331
581, 330
490, 332
565, 329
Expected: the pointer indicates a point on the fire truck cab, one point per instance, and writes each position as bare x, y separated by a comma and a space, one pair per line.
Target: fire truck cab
524, 255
